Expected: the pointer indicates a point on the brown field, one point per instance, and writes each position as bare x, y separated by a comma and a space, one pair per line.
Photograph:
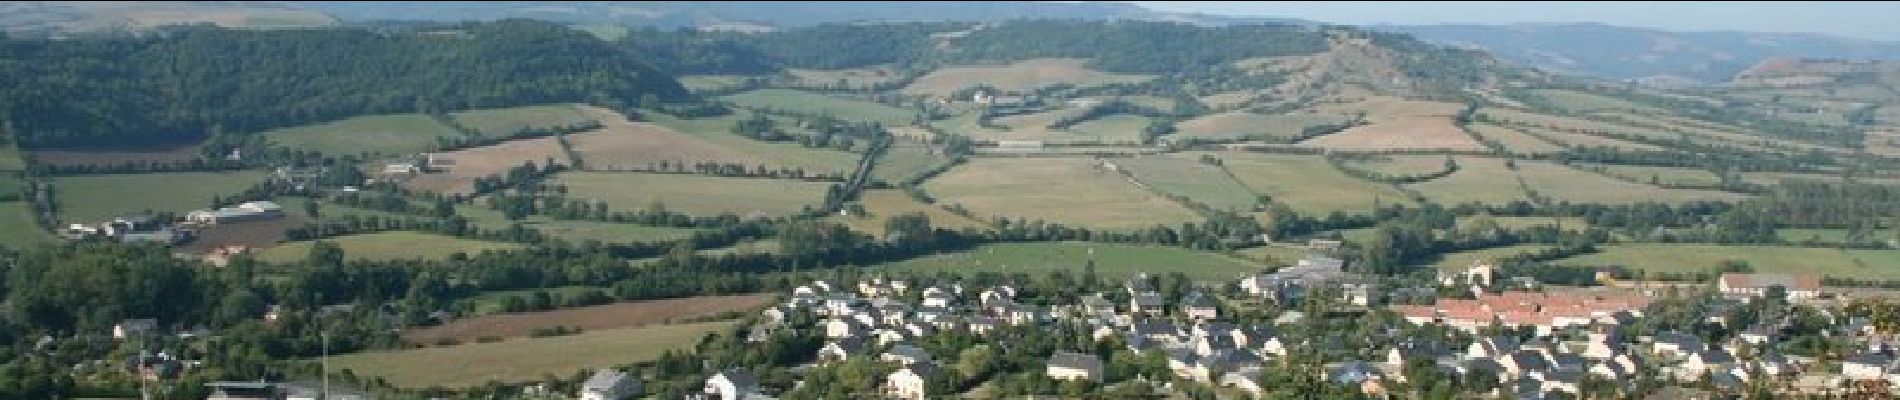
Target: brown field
482, 161
1514, 140
256, 234
1018, 76
114, 157
1071, 191
620, 144
609, 316
1409, 132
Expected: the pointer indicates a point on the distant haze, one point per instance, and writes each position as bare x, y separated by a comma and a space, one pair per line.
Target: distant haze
1867, 20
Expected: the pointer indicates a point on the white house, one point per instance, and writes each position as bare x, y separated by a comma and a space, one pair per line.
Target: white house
1798, 286
910, 382
609, 384
1066, 365
133, 327
732, 384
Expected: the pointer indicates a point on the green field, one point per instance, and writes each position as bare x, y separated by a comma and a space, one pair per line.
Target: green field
694, 194
387, 134
490, 302
1112, 261
521, 360
1465, 259
718, 131
1483, 180
1275, 254
574, 230
1399, 165
1112, 129
1830, 235
1515, 141
1240, 124
1568, 223
93, 198
1691, 258
1562, 183
17, 229
10, 158
1071, 191
500, 122
1202, 183
1580, 102
808, 102
904, 160
1664, 175
396, 245
711, 82
883, 204
1305, 182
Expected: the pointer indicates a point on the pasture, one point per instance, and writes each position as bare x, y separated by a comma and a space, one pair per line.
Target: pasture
1015, 77
498, 122
1398, 165
93, 198
1465, 259
524, 359
1698, 258
1199, 182
1513, 140
816, 103
476, 162
1241, 125
605, 316
905, 159
10, 158
1561, 183
1112, 261
576, 231
1070, 191
1111, 129
376, 134
1400, 133
1663, 175
693, 194
392, 245
1800, 235
1507, 222
17, 230
621, 144
717, 132
1479, 179
883, 204
1306, 183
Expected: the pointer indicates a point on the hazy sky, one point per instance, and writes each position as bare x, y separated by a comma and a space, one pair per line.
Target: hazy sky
1870, 20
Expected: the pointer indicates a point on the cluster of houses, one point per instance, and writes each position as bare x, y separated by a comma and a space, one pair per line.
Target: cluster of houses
1533, 343
150, 228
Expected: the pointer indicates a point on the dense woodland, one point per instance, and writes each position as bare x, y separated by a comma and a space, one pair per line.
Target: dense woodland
188, 83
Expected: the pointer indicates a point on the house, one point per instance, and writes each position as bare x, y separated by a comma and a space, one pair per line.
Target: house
1798, 286
1247, 380
609, 384
841, 349
1675, 343
248, 211
244, 391
842, 328
1865, 366
1147, 303
910, 382
732, 384
1066, 366
1199, 306
904, 354
134, 327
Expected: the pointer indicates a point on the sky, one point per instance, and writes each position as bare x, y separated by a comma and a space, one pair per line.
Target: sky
1866, 20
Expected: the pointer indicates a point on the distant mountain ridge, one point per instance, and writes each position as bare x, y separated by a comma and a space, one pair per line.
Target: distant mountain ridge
1619, 52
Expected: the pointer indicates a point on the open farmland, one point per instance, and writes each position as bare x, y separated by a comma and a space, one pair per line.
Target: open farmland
1479, 179
1016, 77
1697, 258
693, 194
854, 77
1112, 261
1410, 132
497, 122
1239, 125
1305, 182
606, 316
524, 359
17, 229
718, 132
476, 162
10, 162
1800, 235
1507, 222
1513, 140
1663, 175
394, 245
1111, 129
1580, 102
576, 231
1561, 183
385, 134
1201, 183
1071, 191
620, 144
905, 159
1398, 165
816, 103
884, 204
1572, 139
93, 198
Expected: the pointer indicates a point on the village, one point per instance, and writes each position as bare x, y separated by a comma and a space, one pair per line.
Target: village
1497, 337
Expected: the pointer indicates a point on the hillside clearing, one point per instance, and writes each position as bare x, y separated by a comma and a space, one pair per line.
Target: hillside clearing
1241, 125
1561, 183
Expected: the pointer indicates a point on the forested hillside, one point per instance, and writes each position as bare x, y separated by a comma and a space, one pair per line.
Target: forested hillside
187, 83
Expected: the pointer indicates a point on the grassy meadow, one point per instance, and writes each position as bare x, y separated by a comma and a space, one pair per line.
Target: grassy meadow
93, 198
386, 134
693, 194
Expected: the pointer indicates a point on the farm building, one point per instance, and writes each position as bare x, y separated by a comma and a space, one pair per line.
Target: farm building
249, 211
1803, 286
